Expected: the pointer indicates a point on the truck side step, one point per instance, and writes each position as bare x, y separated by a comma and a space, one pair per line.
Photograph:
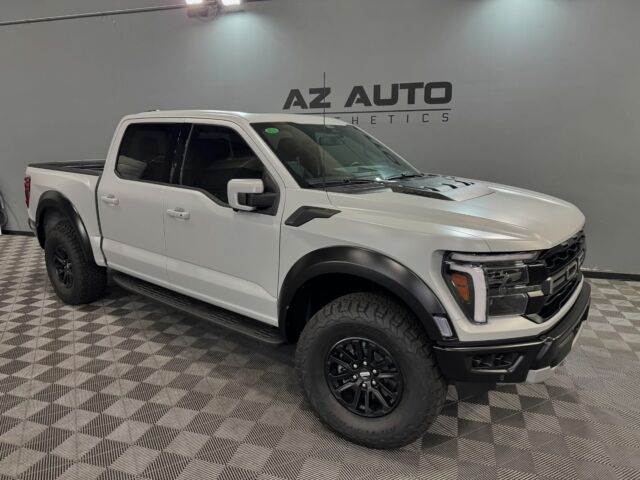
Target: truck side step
218, 316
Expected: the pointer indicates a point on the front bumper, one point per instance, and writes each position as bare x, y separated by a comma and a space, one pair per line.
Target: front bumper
523, 360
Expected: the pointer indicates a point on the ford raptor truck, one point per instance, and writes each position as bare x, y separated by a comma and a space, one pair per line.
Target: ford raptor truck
392, 282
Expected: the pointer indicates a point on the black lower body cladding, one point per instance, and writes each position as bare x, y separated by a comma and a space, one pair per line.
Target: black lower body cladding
513, 361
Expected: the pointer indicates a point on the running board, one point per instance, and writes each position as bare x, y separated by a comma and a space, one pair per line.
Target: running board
218, 316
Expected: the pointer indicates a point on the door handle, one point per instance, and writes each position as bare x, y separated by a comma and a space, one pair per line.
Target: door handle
110, 199
179, 213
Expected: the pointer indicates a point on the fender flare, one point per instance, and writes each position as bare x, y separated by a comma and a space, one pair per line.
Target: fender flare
371, 265
53, 200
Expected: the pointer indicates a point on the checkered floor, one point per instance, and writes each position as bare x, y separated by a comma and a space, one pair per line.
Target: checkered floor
125, 389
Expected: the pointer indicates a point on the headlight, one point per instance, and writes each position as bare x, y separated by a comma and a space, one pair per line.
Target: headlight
492, 285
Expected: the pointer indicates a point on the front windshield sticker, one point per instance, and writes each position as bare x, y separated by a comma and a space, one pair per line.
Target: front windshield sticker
271, 130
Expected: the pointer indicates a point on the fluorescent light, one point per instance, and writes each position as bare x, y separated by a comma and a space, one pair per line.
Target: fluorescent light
195, 2
231, 3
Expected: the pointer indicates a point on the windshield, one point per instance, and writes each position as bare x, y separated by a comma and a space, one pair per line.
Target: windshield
319, 155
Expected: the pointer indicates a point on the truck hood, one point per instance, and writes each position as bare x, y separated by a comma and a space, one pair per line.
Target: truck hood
505, 218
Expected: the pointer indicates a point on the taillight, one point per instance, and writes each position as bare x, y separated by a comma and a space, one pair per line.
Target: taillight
27, 190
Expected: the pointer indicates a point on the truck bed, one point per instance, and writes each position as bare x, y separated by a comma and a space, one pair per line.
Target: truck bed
76, 182
85, 167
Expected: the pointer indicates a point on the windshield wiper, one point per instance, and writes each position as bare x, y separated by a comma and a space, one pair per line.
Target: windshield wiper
346, 181
404, 175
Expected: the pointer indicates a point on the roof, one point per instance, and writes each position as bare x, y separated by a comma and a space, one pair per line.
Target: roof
228, 115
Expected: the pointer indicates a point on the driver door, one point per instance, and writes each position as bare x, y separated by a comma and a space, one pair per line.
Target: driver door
221, 256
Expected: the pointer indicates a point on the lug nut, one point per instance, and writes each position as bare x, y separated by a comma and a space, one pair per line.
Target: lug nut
355, 365
375, 372
364, 385
373, 383
355, 377
364, 363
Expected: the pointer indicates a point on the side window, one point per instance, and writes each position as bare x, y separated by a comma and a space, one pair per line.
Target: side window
147, 151
216, 155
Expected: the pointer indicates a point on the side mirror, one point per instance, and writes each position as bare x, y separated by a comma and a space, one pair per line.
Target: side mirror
239, 189
248, 195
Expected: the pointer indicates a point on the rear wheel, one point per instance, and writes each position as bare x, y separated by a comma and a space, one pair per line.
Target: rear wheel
75, 278
368, 371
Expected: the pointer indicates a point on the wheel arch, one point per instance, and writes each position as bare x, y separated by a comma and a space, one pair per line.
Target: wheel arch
54, 202
353, 268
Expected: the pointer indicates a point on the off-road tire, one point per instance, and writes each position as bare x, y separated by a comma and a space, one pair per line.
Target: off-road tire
89, 280
393, 327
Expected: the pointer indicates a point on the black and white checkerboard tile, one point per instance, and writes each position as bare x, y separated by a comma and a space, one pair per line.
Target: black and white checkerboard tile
127, 389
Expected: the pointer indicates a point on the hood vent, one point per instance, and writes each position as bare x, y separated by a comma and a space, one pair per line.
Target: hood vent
441, 188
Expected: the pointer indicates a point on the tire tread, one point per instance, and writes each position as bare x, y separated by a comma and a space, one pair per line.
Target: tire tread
91, 278
400, 323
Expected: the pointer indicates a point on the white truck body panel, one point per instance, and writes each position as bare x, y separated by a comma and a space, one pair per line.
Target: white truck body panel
222, 256
405, 236
239, 260
80, 189
133, 228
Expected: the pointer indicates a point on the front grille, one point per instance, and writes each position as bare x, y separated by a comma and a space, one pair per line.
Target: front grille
559, 256
556, 260
558, 299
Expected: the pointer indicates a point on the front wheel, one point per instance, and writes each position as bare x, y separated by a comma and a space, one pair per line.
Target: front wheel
368, 371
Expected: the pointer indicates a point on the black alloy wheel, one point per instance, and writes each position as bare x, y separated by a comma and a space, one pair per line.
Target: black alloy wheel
63, 266
363, 377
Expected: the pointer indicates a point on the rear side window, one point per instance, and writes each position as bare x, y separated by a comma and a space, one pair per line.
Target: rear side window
216, 155
148, 152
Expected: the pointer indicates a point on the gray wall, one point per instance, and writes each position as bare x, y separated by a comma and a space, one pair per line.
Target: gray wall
545, 93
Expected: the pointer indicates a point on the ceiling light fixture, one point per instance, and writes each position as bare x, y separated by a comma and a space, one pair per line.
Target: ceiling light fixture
211, 8
198, 8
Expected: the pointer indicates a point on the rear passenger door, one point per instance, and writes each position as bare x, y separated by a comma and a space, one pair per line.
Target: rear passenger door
214, 253
131, 198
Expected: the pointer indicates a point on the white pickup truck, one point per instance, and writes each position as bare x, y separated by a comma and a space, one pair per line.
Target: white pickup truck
293, 228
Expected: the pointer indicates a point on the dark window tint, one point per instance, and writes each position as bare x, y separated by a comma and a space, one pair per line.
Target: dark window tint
216, 155
147, 151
